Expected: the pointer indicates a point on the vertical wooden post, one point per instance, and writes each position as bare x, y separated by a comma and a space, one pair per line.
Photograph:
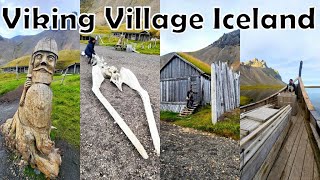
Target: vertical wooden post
299, 89
213, 95
300, 68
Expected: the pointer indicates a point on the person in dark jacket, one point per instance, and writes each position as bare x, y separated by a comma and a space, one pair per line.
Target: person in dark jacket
90, 49
291, 87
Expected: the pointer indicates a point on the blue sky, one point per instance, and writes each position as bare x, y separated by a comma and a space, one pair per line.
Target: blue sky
65, 6
281, 49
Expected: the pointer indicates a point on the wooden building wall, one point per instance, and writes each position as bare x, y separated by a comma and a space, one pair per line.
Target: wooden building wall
21, 69
175, 81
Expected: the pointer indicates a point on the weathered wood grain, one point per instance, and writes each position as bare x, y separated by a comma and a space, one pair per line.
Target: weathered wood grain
226, 89
176, 79
286, 150
256, 153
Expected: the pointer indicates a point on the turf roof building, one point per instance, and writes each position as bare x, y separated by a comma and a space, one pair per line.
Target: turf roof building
176, 78
132, 35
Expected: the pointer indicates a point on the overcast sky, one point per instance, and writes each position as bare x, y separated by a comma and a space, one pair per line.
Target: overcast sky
65, 6
192, 40
281, 49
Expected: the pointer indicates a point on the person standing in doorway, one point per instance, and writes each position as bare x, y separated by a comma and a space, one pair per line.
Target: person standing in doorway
190, 98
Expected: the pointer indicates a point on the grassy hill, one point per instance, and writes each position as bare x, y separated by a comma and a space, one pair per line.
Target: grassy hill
19, 46
225, 49
122, 28
97, 7
66, 58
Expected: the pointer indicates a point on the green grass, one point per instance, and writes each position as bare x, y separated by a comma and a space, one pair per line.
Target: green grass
229, 126
169, 116
154, 50
109, 40
244, 100
29, 172
9, 82
262, 86
197, 62
141, 47
66, 104
66, 110
66, 58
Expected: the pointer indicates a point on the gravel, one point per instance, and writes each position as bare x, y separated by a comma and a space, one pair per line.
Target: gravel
106, 152
192, 154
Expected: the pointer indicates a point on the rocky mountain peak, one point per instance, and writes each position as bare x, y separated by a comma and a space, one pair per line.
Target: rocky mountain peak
256, 63
228, 39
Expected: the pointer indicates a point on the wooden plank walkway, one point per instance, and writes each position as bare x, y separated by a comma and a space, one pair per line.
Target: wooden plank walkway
295, 159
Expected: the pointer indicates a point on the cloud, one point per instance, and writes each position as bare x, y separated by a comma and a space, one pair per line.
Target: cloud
192, 40
283, 49
45, 7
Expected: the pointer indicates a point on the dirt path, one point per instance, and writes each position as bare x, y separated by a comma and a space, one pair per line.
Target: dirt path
191, 154
105, 151
70, 167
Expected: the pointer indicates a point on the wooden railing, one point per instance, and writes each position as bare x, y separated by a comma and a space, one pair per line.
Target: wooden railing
272, 99
312, 120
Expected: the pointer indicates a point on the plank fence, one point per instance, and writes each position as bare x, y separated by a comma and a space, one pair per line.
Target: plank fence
225, 90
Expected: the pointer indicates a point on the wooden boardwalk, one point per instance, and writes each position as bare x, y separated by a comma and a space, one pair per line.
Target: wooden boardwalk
295, 159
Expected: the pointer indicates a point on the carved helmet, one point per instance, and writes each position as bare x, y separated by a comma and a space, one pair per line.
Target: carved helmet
47, 44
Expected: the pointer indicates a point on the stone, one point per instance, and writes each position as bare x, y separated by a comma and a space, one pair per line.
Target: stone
28, 132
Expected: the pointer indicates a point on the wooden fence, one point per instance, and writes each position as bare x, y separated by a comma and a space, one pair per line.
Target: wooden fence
225, 90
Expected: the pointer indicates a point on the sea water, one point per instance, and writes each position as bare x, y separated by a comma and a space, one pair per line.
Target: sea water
314, 95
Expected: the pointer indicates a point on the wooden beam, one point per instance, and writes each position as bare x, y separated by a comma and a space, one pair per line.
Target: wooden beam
213, 95
300, 68
305, 96
312, 86
243, 108
262, 127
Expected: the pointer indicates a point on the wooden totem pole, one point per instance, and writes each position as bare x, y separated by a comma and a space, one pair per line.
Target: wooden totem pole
28, 132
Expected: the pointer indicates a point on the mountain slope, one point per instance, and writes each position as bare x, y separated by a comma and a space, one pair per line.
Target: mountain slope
97, 7
256, 72
23, 45
225, 49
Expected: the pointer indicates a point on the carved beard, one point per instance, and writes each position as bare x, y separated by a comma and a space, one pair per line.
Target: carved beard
42, 74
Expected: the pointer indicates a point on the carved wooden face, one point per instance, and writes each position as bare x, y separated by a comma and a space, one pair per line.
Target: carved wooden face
44, 61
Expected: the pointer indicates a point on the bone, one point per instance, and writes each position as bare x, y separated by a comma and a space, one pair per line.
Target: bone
97, 79
127, 77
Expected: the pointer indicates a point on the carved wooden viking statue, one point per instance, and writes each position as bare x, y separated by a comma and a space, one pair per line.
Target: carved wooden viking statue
28, 132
